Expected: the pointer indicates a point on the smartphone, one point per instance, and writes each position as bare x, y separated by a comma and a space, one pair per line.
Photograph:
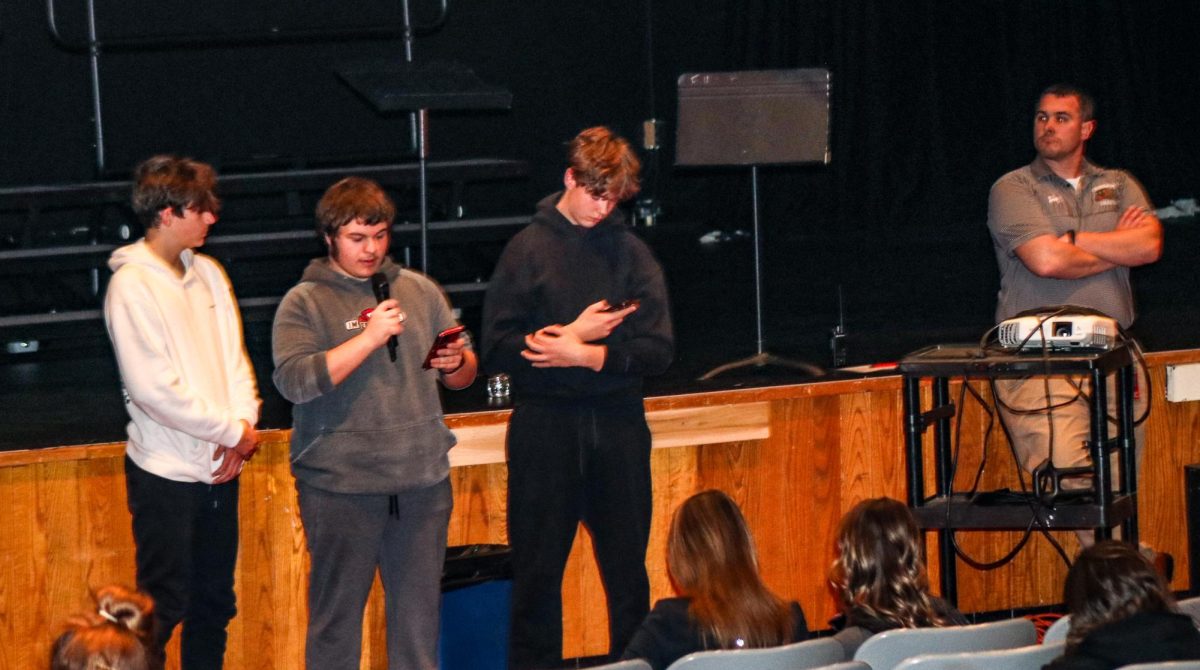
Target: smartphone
444, 338
624, 304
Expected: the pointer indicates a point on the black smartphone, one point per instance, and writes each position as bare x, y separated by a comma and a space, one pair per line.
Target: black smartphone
443, 339
624, 304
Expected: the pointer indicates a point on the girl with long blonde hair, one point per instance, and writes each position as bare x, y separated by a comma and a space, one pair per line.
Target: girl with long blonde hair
723, 601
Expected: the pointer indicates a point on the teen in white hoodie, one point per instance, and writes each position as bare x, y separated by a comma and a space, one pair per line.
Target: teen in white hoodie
193, 403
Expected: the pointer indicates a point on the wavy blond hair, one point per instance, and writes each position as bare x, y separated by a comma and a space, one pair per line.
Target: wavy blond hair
879, 572
712, 561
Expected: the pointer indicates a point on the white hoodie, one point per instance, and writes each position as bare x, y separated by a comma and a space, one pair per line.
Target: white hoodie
188, 382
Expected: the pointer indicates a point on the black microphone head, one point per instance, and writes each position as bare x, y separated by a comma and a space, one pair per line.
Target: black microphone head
379, 284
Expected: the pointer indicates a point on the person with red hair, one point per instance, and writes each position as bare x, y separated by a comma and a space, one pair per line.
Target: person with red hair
117, 636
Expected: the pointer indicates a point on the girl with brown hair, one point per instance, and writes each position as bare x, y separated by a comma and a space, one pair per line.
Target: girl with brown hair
878, 576
724, 603
1121, 613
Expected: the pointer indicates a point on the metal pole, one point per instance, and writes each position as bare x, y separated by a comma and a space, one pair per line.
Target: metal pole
94, 62
419, 129
97, 120
423, 184
758, 308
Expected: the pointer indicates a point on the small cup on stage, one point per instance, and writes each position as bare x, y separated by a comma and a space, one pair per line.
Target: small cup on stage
499, 389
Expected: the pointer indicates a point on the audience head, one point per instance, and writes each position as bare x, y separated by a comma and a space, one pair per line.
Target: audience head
162, 182
604, 164
1108, 582
878, 573
712, 561
115, 637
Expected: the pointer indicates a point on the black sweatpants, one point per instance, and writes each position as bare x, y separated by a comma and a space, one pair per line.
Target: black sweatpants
567, 464
186, 539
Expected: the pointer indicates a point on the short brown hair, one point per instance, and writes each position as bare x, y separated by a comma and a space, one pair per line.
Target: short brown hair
166, 181
604, 164
1087, 105
1108, 582
349, 199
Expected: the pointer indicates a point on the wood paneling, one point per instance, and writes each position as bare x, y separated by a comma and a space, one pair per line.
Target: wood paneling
825, 446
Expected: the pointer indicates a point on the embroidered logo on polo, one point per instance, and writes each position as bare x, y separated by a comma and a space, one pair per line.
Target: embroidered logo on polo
1104, 193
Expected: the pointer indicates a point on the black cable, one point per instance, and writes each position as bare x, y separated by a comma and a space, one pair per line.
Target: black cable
1142, 370
1000, 562
973, 492
1035, 504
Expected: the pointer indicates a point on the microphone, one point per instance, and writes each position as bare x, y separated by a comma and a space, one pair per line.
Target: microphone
379, 284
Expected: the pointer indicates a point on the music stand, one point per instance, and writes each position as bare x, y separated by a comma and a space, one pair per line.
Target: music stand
392, 85
764, 117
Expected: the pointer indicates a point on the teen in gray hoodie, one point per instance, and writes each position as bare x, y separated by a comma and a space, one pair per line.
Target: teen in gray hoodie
369, 446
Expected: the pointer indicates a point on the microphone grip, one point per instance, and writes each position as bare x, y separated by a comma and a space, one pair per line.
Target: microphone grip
379, 284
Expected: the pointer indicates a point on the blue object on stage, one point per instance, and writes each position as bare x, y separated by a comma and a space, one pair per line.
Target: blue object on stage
476, 597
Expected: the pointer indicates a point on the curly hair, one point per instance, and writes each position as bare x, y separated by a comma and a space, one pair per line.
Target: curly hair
878, 573
1108, 582
712, 561
604, 164
114, 637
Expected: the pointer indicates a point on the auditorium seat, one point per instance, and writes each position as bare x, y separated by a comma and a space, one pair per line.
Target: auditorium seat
888, 649
633, 664
1020, 658
1163, 665
1057, 632
1191, 607
796, 656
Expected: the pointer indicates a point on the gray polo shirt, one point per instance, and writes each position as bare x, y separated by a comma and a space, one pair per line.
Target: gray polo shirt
1033, 201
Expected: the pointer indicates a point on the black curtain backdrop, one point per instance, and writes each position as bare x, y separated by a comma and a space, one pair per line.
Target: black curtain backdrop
931, 99
931, 102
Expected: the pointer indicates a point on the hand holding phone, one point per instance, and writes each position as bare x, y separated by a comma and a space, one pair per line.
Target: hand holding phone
624, 304
443, 339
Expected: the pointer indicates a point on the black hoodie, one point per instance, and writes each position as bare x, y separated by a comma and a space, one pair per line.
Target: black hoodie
1145, 637
548, 274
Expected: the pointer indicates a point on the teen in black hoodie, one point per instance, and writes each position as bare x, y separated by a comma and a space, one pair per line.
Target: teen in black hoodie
578, 443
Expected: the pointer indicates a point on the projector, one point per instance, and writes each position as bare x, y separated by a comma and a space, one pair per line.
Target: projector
1059, 332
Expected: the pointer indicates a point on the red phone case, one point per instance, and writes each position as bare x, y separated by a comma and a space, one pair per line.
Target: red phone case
445, 337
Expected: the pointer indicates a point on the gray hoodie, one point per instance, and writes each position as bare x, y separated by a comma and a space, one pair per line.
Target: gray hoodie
381, 430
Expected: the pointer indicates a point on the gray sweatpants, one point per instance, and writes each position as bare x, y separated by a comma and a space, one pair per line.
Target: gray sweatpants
348, 537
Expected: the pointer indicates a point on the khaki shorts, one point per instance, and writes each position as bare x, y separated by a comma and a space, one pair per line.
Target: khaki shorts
1061, 433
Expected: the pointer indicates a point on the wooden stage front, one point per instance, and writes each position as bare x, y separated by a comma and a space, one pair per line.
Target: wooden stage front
795, 457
